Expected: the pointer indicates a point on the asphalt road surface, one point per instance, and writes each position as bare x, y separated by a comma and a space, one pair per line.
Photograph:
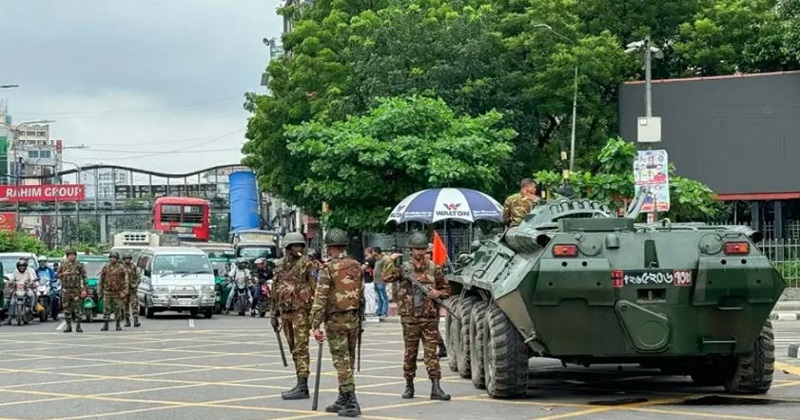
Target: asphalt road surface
173, 367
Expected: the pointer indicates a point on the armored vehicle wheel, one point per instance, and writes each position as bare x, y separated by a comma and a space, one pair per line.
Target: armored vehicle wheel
752, 371
476, 329
452, 332
505, 356
464, 357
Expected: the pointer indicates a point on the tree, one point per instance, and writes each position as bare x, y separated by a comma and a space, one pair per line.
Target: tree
612, 183
363, 166
726, 36
789, 14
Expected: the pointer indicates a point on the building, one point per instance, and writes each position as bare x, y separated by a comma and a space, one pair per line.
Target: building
738, 134
103, 188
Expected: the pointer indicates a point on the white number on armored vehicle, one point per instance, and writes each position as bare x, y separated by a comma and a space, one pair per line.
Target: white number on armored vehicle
658, 277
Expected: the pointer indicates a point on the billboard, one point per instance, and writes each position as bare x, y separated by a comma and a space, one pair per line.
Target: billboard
42, 193
139, 191
8, 221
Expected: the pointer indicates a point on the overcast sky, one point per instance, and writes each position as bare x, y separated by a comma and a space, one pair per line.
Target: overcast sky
137, 76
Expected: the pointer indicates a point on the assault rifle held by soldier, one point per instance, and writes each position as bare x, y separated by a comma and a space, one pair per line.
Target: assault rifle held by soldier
425, 290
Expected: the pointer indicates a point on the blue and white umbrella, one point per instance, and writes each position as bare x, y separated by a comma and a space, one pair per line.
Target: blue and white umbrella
433, 205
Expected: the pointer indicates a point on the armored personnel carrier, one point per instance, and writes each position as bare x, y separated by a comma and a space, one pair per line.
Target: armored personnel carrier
576, 283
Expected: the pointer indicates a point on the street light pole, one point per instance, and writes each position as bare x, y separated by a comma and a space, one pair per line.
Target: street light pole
574, 97
648, 77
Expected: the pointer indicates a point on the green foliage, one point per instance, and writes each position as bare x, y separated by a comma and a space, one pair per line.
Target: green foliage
81, 248
789, 15
11, 241
613, 183
365, 165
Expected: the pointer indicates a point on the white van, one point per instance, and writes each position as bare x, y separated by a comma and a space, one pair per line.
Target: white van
175, 279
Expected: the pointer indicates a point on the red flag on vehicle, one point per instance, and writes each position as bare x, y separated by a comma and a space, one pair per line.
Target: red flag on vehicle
439, 254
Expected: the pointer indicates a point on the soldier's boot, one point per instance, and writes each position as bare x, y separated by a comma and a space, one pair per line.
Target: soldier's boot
437, 393
105, 325
68, 328
78, 326
338, 405
136, 321
127, 321
409, 392
299, 392
351, 408
442, 350
119, 327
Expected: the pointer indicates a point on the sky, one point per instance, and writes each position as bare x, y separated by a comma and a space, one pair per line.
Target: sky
129, 78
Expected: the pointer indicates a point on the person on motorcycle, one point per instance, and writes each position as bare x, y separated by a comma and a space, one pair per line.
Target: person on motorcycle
263, 274
27, 275
239, 275
44, 272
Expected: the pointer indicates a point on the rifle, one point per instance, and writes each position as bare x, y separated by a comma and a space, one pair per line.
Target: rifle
316, 380
424, 290
280, 347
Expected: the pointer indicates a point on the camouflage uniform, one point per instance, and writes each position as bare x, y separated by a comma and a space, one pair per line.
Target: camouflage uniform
113, 288
132, 300
293, 293
419, 315
73, 281
516, 207
339, 303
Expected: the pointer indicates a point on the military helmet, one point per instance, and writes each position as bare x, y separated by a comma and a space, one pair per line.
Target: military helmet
336, 237
293, 238
113, 254
71, 251
43, 260
22, 262
127, 256
418, 240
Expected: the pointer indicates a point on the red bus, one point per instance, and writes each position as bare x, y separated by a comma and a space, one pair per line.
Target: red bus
188, 217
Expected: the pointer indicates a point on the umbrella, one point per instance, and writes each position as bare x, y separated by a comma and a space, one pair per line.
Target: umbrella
433, 205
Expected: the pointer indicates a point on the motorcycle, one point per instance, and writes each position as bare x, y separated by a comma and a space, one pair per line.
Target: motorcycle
262, 307
43, 303
53, 292
241, 300
22, 310
55, 298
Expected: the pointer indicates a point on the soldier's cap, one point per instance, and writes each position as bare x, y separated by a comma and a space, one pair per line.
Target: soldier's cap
127, 257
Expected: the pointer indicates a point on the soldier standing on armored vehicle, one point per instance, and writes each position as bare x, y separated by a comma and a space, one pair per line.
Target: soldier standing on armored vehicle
132, 300
518, 205
113, 288
339, 303
419, 314
292, 296
73, 284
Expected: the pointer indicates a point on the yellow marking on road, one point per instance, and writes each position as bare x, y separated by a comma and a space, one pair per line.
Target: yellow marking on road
792, 383
614, 408
788, 368
695, 413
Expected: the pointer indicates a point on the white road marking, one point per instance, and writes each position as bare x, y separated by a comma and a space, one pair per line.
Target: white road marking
191, 323
61, 325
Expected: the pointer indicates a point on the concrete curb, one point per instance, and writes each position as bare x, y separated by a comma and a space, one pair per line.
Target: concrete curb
793, 351
784, 316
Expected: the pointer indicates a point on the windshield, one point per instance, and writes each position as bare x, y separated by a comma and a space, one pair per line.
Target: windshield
10, 264
181, 264
256, 252
93, 268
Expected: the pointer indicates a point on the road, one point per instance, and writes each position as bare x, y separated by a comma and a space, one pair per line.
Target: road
229, 367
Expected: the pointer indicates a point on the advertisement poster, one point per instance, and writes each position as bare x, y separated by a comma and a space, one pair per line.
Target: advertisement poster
651, 171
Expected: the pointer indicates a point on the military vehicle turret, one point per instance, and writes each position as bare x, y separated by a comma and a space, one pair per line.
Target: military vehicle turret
576, 283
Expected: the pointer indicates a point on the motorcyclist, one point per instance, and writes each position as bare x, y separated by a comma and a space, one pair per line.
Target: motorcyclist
239, 275
44, 272
263, 274
27, 275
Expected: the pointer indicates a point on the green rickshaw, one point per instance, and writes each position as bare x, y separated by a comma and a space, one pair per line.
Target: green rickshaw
92, 304
221, 266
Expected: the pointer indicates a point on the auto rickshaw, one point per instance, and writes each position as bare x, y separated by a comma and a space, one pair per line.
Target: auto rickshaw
92, 305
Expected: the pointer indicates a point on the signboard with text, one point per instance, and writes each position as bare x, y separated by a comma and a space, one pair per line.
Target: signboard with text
191, 190
8, 221
651, 171
42, 193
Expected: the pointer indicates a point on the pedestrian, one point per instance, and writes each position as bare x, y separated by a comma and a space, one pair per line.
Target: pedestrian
113, 288
518, 205
370, 294
292, 296
132, 300
73, 287
419, 315
338, 303
380, 286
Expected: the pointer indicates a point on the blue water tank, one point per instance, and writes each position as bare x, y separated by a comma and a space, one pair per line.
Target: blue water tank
244, 201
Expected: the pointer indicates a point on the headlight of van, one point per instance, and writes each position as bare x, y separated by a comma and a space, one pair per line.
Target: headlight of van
160, 292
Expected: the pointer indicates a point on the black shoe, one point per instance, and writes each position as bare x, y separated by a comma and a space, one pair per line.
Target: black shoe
119, 328
409, 392
68, 328
105, 326
442, 351
136, 322
351, 408
299, 392
437, 393
78, 327
127, 321
338, 405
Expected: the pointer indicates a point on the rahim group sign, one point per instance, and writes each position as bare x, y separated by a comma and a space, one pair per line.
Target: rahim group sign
42, 193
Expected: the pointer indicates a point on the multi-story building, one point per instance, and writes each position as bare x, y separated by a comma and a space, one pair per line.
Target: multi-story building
103, 188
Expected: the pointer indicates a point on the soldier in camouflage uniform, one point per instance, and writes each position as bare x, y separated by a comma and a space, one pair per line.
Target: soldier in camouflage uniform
113, 288
73, 286
518, 205
339, 303
293, 293
419, 314
132, 300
